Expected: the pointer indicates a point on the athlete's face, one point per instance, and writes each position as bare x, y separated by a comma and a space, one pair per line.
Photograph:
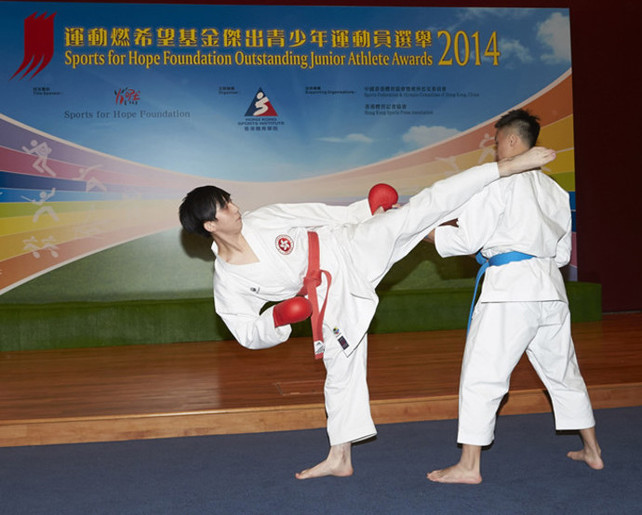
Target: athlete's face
502, 145
228, 220
508, 144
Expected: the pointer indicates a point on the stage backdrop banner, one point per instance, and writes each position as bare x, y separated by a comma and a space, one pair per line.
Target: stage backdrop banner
110, 113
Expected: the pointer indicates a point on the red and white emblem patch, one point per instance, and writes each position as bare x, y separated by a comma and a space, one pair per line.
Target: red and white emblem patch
284, 244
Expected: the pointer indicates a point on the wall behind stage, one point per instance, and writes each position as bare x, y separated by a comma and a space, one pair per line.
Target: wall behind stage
603, 99
607, 104
116, 111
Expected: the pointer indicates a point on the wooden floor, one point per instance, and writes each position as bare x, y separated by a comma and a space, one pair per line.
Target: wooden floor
157, 391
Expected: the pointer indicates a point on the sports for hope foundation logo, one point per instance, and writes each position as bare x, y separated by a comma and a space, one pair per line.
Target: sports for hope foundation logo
38, 44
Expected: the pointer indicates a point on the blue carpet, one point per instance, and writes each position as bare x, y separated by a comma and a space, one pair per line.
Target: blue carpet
525, 472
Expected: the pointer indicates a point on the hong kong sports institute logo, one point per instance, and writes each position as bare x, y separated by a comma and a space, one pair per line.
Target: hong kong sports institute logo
261, 115
38, 44
260, 105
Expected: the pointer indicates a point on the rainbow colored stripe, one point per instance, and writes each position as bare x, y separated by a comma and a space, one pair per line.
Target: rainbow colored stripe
60, 202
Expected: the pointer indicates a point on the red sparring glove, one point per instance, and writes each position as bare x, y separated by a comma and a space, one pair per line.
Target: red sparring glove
292, 310
382, 195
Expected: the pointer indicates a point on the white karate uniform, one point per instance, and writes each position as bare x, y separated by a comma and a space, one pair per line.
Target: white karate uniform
357, 249
523, 305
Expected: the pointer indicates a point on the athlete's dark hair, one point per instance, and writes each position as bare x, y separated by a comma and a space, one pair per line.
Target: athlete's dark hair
524, 123
199, 206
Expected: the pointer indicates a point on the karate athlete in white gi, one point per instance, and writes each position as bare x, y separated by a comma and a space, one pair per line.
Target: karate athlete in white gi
266, 254
523, 305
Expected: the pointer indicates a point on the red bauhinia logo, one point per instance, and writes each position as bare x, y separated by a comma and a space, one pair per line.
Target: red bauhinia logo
39, 44
284, 244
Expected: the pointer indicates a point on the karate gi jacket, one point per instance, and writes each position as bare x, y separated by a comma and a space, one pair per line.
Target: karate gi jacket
528, 213
278, 236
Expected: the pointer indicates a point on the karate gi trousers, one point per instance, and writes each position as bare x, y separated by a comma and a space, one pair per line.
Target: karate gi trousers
500, 333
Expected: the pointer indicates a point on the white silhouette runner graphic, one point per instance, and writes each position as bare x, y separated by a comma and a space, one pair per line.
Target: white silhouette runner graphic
486, 149
91, 183
44, 197
32, 245
452, 162
41, 150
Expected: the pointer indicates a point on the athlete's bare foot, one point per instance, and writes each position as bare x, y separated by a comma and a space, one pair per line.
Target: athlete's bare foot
466, 471
592, 459
338, 463
455, 474
533, 158
591, 454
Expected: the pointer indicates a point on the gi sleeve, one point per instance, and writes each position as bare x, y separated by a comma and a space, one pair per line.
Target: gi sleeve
564, 245
476, 222
315, 214
242, 315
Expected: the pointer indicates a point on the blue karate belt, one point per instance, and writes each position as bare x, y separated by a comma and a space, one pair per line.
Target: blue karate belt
498, 260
